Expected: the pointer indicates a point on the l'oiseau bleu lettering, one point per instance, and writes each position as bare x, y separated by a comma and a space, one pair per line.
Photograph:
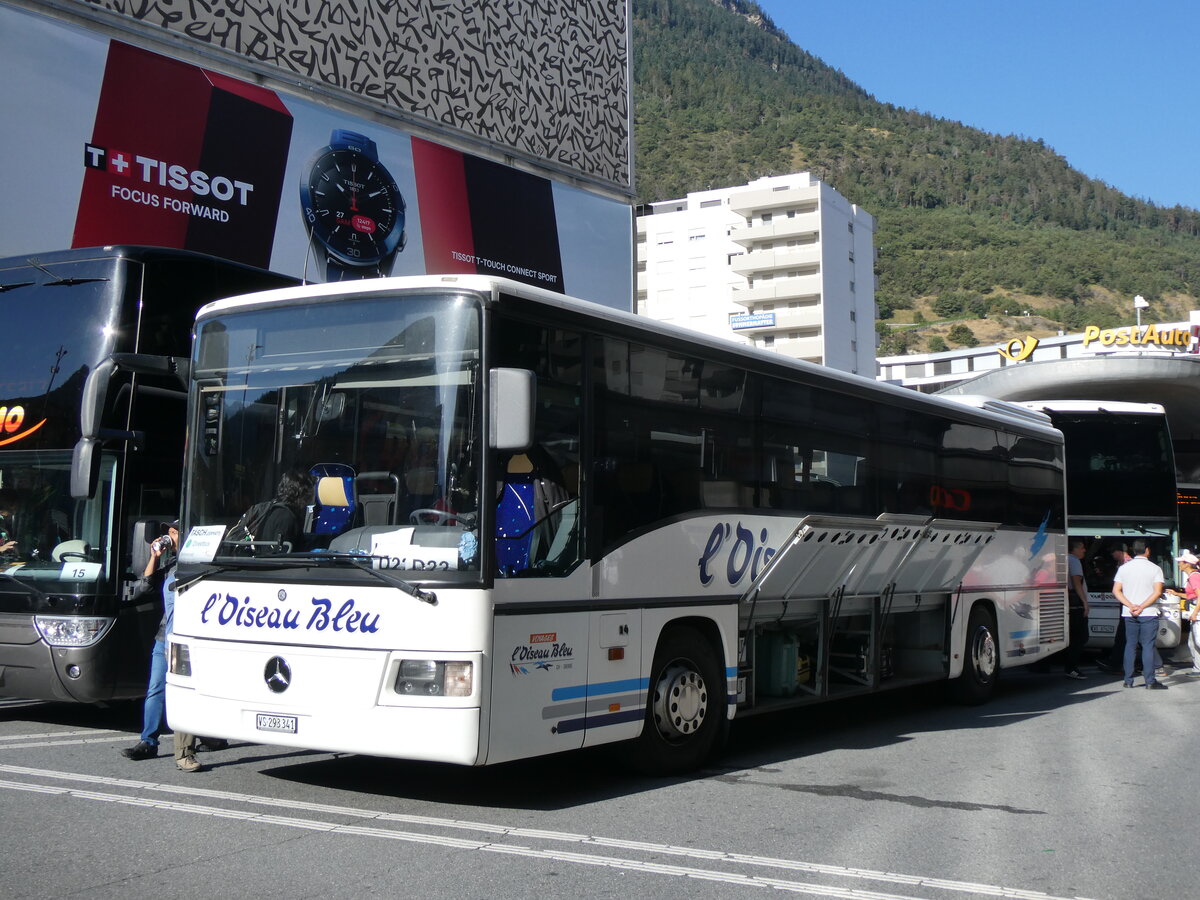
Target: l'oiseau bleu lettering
240, 612
743, 554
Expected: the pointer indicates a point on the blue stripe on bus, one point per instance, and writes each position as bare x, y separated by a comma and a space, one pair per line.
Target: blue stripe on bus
617, 718
577, 691
1020, 634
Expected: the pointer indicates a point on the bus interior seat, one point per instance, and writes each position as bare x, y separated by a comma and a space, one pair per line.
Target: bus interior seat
334, 497
378, 508
515, 516
73, 549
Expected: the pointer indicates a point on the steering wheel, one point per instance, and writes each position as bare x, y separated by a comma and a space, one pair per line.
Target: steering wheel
431, 517
72, 554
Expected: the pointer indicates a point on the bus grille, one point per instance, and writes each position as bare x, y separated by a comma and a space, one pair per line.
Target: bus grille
1052, 618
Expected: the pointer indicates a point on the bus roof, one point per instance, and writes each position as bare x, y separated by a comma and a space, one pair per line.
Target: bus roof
1110, 407
994, 411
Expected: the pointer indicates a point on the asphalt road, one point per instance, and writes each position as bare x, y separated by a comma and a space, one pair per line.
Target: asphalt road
1055, 789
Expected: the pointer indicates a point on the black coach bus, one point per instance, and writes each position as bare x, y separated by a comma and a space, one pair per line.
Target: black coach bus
76, 322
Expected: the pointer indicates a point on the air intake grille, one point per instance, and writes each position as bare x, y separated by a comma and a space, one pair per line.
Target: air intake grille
1052, 617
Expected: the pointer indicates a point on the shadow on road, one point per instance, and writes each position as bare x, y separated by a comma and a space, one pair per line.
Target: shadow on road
591, 776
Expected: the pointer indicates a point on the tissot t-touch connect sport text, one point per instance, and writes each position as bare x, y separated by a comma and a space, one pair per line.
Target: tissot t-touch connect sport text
352, 208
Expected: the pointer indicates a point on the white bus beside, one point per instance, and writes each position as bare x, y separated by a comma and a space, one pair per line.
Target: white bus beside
1121, 486
535, 524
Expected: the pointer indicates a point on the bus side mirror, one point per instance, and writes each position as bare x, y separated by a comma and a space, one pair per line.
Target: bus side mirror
85, 458
85, 468
511, 403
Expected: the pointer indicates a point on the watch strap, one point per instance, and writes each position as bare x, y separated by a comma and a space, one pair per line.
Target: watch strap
336, 270
343, 137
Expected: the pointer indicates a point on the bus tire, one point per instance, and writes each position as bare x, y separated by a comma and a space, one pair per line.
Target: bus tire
686, 718
981, 659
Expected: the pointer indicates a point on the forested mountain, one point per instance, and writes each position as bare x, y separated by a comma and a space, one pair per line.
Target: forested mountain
970, 223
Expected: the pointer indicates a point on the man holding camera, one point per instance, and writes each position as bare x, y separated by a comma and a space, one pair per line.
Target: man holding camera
160, 575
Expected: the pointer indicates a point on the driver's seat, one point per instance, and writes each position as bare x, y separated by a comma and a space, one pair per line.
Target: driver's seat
74, 548
516, 514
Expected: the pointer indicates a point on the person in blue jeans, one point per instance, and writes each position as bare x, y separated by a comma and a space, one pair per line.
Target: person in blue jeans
158, 576
1138, 585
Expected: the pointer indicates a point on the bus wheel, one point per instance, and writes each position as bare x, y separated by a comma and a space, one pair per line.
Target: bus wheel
981, 665
685, 708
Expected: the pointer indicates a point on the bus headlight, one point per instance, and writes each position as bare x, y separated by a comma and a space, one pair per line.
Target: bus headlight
179, 659
72, 631
434, 678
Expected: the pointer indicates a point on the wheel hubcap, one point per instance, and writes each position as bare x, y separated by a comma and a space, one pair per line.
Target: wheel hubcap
680, 701
983, 654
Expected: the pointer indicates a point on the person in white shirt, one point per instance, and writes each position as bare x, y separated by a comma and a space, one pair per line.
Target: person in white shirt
1138, 585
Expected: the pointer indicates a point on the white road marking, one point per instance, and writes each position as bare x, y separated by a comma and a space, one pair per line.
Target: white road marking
54, 734
739, 859
89, 740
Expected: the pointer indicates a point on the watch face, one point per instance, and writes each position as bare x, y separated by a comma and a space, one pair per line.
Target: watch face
353, 206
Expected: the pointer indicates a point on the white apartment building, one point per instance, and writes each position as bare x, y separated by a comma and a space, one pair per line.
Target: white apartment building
785, 263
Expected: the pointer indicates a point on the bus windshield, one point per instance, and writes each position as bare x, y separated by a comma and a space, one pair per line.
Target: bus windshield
45, 535
1120, 464
344, 427
61, 321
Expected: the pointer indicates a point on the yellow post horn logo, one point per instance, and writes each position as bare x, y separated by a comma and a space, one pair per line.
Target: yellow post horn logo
1016, 350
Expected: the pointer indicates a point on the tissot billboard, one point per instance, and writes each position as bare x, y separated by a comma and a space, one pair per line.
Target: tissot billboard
124, 145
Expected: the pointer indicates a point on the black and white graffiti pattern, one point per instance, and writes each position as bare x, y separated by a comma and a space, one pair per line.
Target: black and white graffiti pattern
546, 78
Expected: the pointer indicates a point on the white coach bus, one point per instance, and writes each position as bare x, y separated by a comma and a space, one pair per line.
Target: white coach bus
531, 524
1121, 486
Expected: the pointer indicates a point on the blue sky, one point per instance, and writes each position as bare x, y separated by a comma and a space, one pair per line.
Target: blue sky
1111, 85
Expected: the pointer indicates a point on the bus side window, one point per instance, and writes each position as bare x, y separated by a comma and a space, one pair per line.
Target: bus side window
542, 488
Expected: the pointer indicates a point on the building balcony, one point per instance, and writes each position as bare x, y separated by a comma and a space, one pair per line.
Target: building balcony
779, 289
810, 348
774, 260
800, 198
808, 224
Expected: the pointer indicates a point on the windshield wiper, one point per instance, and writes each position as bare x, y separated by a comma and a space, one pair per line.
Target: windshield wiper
57, 281
13, 285
360, 561
363, 562
249, 562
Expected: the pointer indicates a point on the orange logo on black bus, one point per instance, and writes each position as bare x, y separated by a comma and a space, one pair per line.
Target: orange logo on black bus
11, 421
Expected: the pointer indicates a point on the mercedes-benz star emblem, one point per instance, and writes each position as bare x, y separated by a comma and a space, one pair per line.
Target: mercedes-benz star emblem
278, 674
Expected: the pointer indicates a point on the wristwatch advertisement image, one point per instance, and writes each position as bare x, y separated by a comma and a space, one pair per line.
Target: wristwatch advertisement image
353, 210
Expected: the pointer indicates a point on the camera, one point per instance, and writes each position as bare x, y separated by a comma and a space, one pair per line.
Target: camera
161, 544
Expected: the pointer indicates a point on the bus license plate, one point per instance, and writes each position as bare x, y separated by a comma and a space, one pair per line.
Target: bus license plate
286, 724
1104, 629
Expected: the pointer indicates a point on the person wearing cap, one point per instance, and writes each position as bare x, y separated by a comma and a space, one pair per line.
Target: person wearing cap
1138, 586
1189, 563
159, 575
